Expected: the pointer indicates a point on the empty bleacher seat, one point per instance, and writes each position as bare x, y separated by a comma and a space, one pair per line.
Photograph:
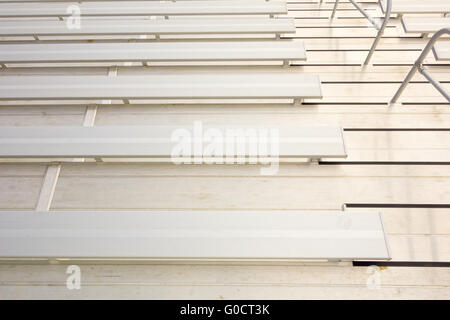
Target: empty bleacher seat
152, 51
441, 51
424, 24
149, 27
160, 141
236, 85
145, 8
182, 236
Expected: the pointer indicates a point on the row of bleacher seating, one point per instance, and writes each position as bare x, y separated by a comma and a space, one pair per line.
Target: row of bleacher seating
172, 86
441, 51
145, 52
424, 24
158, 142
181, 236
430, 25
193, 236
145, 8
219, 7
398, 8
125, 28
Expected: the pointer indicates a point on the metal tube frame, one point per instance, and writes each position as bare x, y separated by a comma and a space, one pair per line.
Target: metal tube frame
374, 23
418, 66
380, 28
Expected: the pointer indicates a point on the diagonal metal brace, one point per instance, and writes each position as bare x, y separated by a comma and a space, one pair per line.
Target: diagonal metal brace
377, 26
418, 66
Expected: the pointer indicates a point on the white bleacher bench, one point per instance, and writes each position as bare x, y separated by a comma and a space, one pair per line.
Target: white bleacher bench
424, 25
145, 8
152, 51
193, 236
163, 142
441, 51
379, 26
26, 1
166, 86
401, 7
149, 27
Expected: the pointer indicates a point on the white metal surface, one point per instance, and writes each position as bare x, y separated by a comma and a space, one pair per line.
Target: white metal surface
424, 25
193, 235
414, 234
160, 141
257, 85
27, 1
441, 51
153, 51
144, 8
148, 27
418, 6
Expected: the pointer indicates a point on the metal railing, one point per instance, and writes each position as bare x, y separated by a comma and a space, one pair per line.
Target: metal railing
418, 66
380, 27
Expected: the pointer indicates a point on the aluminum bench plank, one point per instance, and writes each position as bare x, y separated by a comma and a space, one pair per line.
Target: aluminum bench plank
424, 25
149, 27
418, 6
27, 1
238, 85
153, 51
441, 51
193, 235
144, 8
161, 141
